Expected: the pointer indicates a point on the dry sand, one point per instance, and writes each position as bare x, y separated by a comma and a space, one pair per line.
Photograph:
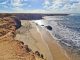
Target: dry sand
40, 40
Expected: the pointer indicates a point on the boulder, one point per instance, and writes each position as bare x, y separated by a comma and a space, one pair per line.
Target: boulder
49, 27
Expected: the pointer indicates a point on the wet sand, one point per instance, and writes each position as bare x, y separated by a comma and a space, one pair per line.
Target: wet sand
57, 51
40, 40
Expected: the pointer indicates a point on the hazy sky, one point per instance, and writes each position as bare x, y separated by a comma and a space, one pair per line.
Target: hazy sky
40, 6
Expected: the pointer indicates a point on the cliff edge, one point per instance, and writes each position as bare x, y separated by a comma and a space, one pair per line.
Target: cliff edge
11, 49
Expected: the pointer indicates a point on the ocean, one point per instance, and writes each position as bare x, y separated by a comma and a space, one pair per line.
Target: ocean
65, 28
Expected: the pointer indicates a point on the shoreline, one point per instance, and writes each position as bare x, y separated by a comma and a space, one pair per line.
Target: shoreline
53, 40
65, 49
40, 39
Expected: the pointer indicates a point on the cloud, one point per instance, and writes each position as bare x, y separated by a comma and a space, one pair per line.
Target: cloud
63, 6
42, 6
16, 3
46, 2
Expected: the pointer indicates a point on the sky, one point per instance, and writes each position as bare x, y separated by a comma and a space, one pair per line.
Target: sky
39, 6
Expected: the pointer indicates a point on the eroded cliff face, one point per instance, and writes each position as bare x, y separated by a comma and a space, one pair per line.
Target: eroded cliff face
11, 49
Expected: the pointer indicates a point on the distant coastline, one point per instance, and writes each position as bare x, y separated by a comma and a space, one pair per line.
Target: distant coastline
32, 16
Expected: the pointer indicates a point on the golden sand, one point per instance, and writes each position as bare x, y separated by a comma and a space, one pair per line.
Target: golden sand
39, 39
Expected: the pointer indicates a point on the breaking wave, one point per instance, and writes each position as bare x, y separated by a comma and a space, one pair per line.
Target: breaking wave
65, 28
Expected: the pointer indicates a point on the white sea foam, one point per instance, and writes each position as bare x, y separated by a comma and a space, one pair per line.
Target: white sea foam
61, 32
64, 33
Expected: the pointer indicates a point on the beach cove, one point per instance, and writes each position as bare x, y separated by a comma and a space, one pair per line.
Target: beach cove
40, 39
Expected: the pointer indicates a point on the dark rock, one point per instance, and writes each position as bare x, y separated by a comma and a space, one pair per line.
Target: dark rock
42, 25
37, 53
27, 48
42, 56
49, 27
17, 22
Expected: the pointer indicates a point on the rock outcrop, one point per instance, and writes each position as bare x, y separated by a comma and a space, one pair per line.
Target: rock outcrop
49, 27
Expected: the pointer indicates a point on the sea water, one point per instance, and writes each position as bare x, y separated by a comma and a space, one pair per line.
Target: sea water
65, 28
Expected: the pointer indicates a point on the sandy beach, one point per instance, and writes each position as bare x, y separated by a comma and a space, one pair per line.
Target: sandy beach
40, 40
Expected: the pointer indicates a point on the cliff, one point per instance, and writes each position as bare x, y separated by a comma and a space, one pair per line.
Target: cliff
11, 49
